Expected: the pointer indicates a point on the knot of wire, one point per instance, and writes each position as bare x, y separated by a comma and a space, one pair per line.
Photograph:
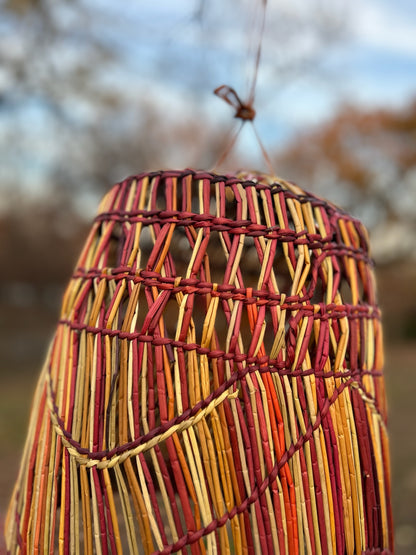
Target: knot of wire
243, 110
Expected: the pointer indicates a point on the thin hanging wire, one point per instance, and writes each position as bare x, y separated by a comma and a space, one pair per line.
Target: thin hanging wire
244, 110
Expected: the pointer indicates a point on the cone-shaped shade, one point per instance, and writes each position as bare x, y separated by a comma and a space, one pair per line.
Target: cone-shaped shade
215, 381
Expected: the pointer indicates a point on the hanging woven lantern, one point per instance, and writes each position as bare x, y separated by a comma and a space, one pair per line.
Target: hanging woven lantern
215, 381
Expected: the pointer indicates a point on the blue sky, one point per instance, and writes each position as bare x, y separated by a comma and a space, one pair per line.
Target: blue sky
177, 60
372, 64
381, 53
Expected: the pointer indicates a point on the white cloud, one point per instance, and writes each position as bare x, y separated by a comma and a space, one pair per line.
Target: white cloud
383, 25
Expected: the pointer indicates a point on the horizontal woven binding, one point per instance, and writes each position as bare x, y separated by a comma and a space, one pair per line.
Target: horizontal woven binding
215, 381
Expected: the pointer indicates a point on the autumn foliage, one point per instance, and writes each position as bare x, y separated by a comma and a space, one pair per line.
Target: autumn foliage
365, 159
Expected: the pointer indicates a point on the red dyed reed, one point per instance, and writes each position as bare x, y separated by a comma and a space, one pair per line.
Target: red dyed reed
215, 381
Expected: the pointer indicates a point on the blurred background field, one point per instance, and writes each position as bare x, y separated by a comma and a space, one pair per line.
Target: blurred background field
90, 94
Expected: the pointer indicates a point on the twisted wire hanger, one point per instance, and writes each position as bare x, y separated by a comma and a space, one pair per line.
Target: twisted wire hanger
244, 109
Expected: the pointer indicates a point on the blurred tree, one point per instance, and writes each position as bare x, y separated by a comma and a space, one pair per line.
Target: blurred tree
93, 91
366, 162
39, 245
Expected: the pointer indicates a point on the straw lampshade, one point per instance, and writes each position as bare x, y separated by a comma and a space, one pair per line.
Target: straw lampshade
215, 381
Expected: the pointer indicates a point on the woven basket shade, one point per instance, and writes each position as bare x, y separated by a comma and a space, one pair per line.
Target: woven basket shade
215, 381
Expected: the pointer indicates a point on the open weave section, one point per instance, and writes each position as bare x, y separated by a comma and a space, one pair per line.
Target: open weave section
215, 381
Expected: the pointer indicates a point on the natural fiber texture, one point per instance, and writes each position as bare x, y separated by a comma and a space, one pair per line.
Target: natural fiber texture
215, 382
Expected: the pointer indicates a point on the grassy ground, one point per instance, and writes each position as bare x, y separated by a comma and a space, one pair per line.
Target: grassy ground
401, 388
17, 383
